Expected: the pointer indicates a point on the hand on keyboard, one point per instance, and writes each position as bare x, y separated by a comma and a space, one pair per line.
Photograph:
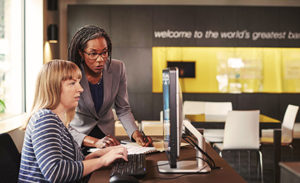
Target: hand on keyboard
135, 166
142, 140
109, 154
107, 141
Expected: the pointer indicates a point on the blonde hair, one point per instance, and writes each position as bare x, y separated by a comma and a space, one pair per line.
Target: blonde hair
49, 85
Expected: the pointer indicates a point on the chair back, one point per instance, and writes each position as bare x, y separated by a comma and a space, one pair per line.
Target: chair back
217, 108
241, 130
288, 123
193, 107
9, 158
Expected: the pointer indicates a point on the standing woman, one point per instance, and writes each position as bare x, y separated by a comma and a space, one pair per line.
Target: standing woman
49, 152
105, 84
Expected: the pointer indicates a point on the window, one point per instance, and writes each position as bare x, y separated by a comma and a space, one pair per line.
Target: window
11, 57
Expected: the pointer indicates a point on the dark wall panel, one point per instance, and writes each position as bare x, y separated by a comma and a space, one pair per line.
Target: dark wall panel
131, 30
268, 104
141, 104
81, 15
131, 26
174, 18
138, 63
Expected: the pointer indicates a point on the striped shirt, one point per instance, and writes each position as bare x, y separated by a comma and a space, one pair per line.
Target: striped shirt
49, 153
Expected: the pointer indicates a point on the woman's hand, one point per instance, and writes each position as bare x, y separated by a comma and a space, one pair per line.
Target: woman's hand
100, 152
141, 140
103, 157
107, 141
110, 154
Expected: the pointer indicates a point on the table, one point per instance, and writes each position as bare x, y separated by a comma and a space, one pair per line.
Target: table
225, 174
218, 121
290, 172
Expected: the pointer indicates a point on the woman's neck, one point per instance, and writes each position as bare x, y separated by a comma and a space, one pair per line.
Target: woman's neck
60, 112
91, 76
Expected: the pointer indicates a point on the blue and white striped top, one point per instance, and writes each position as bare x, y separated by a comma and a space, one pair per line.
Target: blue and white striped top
49, 152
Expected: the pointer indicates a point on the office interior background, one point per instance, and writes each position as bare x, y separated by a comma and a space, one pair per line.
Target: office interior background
274, 78
271, 82
267, 81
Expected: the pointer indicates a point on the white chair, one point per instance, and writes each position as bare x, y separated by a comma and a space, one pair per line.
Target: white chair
241, 133
216, 109
287, 128
193, 107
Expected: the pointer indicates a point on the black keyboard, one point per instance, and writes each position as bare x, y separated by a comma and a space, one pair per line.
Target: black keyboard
135, 166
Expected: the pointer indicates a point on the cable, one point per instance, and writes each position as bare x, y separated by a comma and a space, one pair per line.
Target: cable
210, 164
213, 162
210, 161
203, 152
159, 165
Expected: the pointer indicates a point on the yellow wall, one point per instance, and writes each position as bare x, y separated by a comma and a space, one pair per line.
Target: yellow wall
273, 70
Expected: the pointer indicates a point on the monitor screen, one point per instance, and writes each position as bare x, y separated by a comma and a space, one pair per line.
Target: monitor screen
172, 114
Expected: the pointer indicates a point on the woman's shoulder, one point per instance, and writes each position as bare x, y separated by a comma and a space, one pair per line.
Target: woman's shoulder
43, 112
43, 116
116, 62
116, 65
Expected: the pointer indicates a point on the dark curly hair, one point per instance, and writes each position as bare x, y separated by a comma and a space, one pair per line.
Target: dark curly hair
81, 37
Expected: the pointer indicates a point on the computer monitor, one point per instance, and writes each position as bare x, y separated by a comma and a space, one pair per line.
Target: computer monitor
172, 128
172, 114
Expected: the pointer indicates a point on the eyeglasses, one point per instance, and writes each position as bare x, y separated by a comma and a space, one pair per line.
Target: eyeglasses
94, 55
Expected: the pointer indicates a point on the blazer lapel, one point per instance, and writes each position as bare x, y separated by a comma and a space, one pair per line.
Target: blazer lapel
86, 94
107, 84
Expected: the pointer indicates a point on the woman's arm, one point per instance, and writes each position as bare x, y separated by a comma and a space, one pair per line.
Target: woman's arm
48, 143
48, 140
100, 143
122, 105
124, 113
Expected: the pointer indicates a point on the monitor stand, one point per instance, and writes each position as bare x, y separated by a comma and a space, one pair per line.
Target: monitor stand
197, 166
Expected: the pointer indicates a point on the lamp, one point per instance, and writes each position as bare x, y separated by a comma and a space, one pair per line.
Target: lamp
52, 33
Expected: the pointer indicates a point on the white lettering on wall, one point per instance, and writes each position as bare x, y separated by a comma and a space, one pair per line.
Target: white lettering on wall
268, 35
293, 35
237, 34
173, 34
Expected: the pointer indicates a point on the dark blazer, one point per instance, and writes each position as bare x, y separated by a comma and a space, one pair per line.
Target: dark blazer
115, 92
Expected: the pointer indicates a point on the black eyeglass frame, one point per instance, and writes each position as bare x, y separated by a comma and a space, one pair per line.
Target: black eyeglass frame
96, 55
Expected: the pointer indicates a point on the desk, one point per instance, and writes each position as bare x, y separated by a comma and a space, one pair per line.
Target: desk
290, 172
226, 174
218, 121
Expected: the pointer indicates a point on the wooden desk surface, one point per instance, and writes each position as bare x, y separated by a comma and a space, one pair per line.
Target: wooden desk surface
293, 167
266, 119
225, 174
221, 118
218, 121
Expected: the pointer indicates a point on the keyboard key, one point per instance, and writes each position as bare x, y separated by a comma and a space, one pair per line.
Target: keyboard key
135, 166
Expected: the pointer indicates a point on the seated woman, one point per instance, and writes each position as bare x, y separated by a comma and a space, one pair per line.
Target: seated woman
50, 154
